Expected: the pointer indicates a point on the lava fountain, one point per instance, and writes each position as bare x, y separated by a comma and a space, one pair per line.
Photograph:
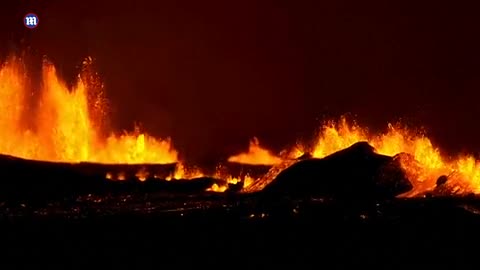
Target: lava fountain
256, 155
66, 124
422, 162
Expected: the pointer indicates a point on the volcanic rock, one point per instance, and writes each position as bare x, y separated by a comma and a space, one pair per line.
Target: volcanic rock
240, 170
353, 173
31, 179
449, 186
195, 185
391, 180
442, 180
305, 156
443, 187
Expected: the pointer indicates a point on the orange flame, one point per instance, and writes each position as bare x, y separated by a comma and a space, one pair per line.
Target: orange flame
222, 187
142, 174
67, 125
256, 155
429, 163
63, 126
182, 172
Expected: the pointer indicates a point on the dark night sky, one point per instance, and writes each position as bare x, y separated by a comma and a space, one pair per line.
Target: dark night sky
211, 74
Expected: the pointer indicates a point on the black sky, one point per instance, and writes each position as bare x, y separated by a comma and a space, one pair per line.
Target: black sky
211, 74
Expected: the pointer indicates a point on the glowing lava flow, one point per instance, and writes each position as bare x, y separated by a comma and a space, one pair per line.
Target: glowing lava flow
65, 124
424, 167
423, 163
247, 181
256, 155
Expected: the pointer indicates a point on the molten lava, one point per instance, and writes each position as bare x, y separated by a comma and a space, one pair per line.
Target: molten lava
256, 155
246, 181
65, 125
68, 125
182, 172
423, 169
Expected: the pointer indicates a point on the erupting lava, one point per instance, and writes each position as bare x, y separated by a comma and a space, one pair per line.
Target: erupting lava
424, 167
256, 155
423, 163
66, 124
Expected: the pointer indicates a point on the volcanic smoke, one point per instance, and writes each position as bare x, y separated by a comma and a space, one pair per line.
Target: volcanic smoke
66, 125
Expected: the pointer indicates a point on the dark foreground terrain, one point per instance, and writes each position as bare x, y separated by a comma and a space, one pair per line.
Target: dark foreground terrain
338, 212
405, 233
